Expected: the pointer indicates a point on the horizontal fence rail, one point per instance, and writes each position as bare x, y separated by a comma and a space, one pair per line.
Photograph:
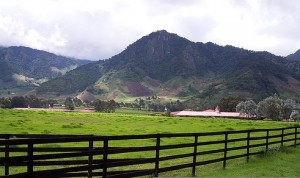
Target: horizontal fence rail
36, 155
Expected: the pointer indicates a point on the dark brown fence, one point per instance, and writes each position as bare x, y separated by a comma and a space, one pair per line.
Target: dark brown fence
132, 155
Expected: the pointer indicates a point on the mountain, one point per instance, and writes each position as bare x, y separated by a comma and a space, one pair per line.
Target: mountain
295, 56
171, 67
22, 67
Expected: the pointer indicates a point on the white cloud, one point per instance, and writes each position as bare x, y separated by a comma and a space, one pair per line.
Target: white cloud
99, 29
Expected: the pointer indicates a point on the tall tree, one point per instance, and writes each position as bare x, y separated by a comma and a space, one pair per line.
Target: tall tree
33, 101
295, 115
271, 108
287, 108
104, 106
5, 103
69, 103
247, 107
228, 104
18, 102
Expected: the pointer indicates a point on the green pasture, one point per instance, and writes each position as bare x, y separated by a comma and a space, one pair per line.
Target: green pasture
128, 122
119, 123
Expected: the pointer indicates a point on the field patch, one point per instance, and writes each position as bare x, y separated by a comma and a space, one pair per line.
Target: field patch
137, 89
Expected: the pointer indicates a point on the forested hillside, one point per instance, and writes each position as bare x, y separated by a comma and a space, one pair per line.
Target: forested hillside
166, 65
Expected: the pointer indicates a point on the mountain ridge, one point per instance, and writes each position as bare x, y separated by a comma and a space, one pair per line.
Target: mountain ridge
169, 66
294, 56
26, 67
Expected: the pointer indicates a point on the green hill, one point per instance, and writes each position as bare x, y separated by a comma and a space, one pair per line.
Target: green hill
23, 67
172, 67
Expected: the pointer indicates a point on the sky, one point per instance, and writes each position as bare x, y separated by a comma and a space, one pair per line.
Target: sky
100, 29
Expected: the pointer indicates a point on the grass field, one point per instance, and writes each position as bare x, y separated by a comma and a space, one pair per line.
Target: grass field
119, 123
128, 122
284, 163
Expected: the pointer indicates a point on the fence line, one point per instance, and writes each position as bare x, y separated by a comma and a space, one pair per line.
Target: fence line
90, 155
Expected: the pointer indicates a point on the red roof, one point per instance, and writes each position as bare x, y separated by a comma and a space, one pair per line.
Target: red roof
209, 110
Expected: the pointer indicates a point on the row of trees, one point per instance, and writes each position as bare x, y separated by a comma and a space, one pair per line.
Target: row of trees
70, 103
272, 107
23, 102
98, 105
155, 104
104, 106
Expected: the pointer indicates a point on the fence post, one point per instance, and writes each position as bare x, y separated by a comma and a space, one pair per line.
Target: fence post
105, 155
295, 142
225, 150
282, 138
30, 160
157, 155
90, 161
267, 141
195, 155
248, 145
6, 164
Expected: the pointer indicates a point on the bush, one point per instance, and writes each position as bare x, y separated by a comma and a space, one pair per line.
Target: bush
295, 116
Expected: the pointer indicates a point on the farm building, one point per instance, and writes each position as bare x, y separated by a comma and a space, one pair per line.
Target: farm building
209, 113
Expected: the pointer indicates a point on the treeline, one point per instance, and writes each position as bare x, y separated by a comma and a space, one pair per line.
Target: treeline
155, 104
70, 103
272, 107
24, 102
98, 105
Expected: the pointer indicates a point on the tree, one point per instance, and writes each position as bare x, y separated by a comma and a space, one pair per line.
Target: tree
18, 102
103, 106
77, 102
175, 106
111, 106
140, 103
248, 107
271, 108
295, 115
287, 108
99, 105
33, 101
5, 103
167, 112
69, 104
229, 104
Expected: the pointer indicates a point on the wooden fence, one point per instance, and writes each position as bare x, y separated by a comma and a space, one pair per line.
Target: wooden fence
106, 156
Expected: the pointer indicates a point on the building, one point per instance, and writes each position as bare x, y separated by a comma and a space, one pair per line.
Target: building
209, 113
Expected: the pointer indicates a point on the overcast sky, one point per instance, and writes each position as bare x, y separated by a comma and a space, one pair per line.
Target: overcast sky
99, 29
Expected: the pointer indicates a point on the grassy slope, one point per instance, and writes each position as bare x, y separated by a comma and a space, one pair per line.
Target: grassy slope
138, 122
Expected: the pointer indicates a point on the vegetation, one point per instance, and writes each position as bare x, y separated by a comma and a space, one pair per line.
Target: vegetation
229, 104
248, 107
271, 107
104, 106
24, 102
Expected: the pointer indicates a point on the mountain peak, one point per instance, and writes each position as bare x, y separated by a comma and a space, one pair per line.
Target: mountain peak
163, 34
169, 66
161, 31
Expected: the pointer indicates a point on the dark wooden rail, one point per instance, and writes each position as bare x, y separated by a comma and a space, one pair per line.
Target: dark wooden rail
38, 155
